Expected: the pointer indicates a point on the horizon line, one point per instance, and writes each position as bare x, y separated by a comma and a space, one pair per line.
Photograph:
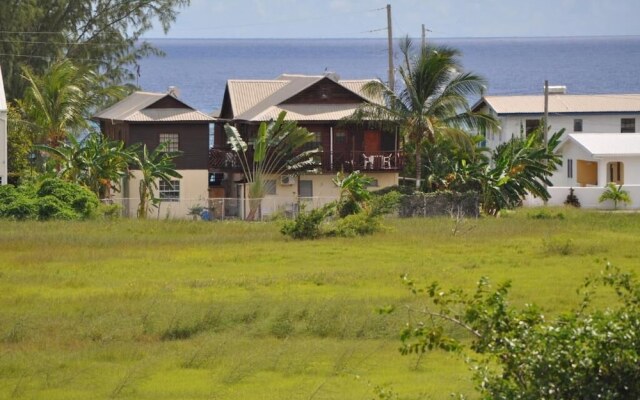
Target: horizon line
395, 38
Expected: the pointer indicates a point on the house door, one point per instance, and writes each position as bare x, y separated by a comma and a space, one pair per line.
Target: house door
371, 142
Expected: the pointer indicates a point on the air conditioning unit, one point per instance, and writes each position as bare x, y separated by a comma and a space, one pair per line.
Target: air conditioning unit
287, 180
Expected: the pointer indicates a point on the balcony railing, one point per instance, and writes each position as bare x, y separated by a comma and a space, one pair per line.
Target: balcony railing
348, 161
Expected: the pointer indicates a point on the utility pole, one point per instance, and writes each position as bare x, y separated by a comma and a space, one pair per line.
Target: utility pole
390, 37
545, 128
424, 36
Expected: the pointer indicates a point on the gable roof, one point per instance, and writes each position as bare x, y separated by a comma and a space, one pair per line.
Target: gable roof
261, 100
606, 144
562, 103
134, 108
3, 99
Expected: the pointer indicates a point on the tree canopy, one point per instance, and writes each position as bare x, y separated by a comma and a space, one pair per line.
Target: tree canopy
103, 35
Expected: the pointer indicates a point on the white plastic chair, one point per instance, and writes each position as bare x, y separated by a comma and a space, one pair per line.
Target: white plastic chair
386, 162
368, 161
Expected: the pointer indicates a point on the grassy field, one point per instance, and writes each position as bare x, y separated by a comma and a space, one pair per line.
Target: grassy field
196, 310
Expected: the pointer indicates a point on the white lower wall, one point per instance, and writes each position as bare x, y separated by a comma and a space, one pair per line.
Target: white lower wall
588, 197
3, 146
193, 191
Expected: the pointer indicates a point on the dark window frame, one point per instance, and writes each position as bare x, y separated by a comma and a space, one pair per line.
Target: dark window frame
627, 125
169, 192
577, 125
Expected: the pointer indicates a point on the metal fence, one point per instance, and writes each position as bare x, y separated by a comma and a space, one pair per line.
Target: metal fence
218, 209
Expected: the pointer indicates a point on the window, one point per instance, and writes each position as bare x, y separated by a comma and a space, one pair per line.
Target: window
316, 143
615, 172
577, 125
569, 168
531, 125
306, 188
340, 137
171, 140
169, 191
270, 186
628, 125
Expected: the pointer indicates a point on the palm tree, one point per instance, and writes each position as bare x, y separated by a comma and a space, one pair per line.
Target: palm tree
154, 166
276, 152
432, 101
615, 194
60, 101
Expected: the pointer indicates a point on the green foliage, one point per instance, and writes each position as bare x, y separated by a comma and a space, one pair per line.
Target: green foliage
60, 101
102, 35
154, 166
49, 199
354, 194
615, 194
583, 354
277, 151
19, 145
307, 225
545, 213
432, 102
95, 162
382, 204
360, 224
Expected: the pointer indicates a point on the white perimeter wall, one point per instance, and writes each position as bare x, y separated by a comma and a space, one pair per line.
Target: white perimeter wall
588, 197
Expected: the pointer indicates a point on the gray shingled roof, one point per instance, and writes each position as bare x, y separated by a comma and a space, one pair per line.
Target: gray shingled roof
133, 108
3, 99
563, 103
260, 100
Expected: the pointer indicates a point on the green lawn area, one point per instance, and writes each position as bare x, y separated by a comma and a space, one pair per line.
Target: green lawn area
197, 310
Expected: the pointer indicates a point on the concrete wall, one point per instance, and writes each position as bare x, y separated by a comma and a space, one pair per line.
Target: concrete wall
193, 191
588, 197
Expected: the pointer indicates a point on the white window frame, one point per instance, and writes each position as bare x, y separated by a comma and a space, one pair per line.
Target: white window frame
169, 191
172, 140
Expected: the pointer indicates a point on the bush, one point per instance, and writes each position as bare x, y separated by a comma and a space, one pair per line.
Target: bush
360, 224
82, 200
572, 199
50, 199
307, 224
385, 203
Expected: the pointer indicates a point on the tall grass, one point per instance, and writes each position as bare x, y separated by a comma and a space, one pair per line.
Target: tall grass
190, 309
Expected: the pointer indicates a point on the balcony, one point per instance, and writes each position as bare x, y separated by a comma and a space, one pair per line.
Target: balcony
380, 161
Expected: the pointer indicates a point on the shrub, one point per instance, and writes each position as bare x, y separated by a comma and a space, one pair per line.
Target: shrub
572, 199
50, 207
385, 203
20, 208
360, 224
82, 200
545, 214
307, 224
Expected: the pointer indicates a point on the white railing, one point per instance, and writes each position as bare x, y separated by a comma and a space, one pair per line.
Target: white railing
221, 208
588, 197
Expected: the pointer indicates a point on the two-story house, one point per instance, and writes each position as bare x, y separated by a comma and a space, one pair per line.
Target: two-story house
154, 118
321, 104
600, 145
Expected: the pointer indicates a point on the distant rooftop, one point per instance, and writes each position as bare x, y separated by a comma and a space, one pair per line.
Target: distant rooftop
562, 103
134, 108
260, 100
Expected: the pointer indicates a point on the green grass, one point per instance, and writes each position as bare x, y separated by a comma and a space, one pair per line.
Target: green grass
196, 310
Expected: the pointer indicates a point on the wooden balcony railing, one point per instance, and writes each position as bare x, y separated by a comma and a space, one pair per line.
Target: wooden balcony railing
227, 160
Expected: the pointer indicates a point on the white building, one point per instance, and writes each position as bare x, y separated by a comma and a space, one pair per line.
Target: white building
3, 134
600, 144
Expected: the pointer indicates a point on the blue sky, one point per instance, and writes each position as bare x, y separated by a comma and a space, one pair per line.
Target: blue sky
444, 18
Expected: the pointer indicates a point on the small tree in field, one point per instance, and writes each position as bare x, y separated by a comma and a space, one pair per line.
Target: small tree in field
587, 353
615, 194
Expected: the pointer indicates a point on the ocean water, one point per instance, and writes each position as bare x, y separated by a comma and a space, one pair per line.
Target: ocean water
201, 67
